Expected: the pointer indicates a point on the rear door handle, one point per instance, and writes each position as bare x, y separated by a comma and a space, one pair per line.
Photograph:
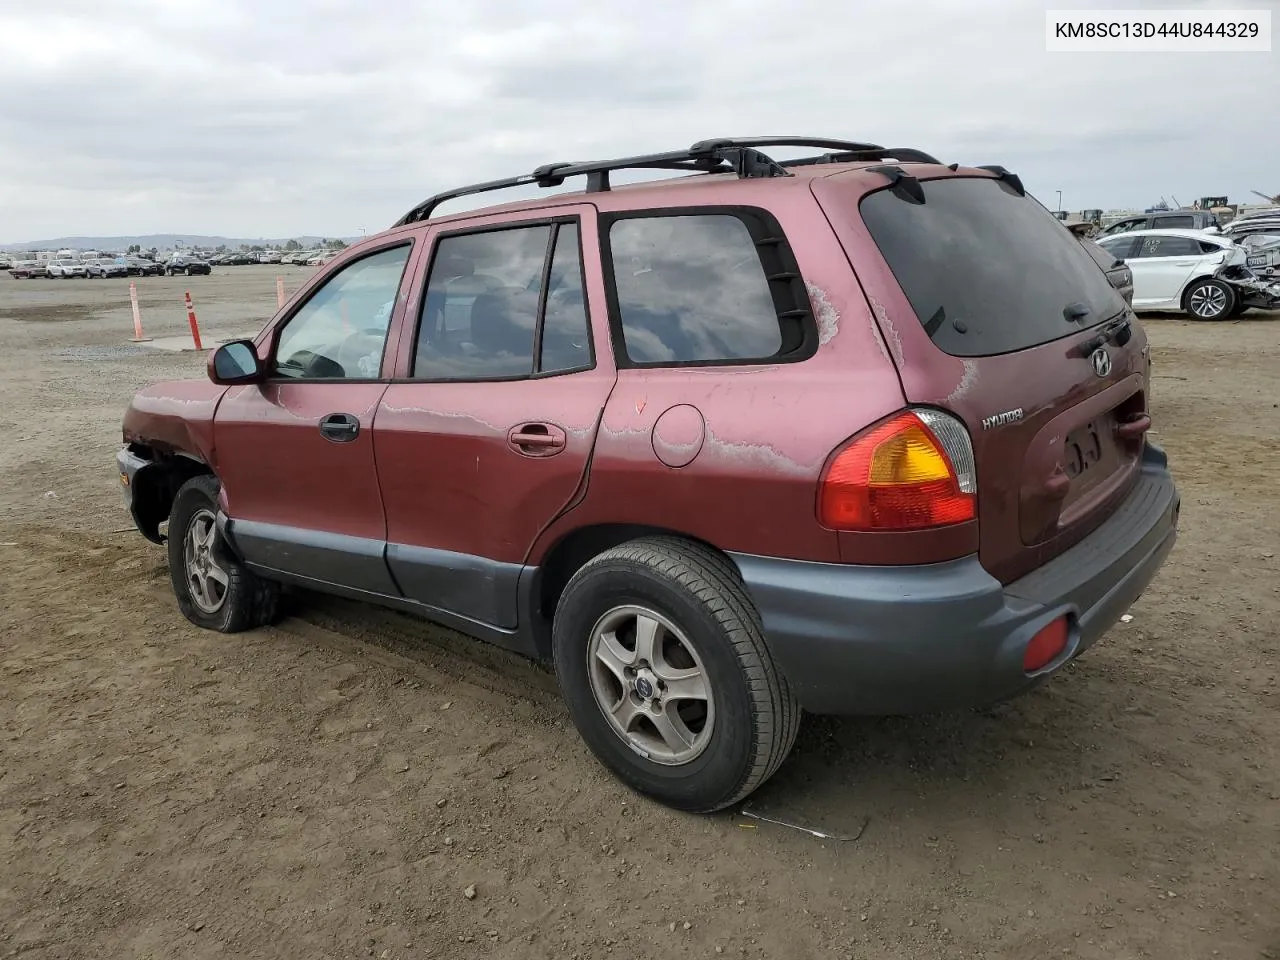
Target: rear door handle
536, 439
340, 427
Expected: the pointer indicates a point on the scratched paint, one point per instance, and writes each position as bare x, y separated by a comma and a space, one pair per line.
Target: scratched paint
752, 456
967, 381
890, 331
824, 312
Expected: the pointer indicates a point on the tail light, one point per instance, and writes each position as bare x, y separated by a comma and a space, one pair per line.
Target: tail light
910, 472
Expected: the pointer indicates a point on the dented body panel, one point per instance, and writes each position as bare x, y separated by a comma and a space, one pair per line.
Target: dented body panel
175, 417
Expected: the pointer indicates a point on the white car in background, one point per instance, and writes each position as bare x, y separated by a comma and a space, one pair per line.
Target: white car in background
63, 269
1184, 270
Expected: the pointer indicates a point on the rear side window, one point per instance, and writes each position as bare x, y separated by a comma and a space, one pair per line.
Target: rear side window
706, 288
987, 271
1174, 223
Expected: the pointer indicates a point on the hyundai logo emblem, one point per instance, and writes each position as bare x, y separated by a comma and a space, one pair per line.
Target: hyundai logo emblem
644, 688
1101, 361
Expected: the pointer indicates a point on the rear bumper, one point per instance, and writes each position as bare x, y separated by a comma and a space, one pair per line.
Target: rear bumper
912, 639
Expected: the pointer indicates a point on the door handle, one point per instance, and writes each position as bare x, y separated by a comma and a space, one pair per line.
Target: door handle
340, 427
536, 439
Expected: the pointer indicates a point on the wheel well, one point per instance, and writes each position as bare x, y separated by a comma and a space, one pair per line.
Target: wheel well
155, 486
573, 550
1186, 291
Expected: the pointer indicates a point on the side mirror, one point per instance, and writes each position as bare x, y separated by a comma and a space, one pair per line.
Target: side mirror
235, 362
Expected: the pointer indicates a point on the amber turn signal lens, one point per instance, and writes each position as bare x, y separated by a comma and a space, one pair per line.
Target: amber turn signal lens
895, 476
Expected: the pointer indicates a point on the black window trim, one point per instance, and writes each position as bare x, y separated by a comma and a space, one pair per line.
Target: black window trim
794, 305
554, 222
276, 378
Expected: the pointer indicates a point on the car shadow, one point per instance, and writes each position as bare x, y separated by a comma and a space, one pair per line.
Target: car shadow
845, 771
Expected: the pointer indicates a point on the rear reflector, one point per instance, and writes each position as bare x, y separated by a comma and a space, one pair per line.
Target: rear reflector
910, 472
1046, 646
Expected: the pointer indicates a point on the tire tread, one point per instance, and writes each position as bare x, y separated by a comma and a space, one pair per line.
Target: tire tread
251, 600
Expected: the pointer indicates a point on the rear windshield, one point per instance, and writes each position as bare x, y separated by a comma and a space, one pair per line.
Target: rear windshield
987, 271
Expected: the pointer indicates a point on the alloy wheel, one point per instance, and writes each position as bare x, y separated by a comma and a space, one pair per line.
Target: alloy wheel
651, 685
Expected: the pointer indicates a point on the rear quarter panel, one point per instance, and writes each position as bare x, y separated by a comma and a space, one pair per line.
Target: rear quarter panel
768, 429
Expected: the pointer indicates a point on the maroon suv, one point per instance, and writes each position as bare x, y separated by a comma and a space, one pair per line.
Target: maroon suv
858, 432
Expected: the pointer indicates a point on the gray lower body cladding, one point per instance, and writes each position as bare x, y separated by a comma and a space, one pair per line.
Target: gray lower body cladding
901, 639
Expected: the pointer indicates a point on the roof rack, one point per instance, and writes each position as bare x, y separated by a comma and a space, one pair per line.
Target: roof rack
723, 155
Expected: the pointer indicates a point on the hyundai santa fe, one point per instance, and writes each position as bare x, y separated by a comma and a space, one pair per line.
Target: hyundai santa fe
858, 432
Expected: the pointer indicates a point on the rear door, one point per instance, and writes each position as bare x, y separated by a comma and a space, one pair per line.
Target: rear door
1165, 264
484, 437
990, 306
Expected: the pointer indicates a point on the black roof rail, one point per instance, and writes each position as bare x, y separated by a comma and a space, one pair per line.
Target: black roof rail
755, 142
723, 155
877, 154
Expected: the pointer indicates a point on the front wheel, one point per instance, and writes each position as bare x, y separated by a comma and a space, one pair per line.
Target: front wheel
661, 658
214, 590
1209, 299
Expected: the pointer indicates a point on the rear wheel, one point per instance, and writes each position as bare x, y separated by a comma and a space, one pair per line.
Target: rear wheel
1209, 299
661, 658
214, 590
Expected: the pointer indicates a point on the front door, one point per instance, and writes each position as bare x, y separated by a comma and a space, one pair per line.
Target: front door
485, 436
295, 454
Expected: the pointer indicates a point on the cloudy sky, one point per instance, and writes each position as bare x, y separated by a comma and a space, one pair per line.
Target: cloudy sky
253, 118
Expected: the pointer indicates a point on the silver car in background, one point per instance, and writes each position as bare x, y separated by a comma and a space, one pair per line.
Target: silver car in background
63, 269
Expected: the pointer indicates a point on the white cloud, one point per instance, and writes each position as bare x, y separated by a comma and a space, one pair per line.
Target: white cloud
253, 119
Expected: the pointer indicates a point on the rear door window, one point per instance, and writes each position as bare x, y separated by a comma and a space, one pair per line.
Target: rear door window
987, 271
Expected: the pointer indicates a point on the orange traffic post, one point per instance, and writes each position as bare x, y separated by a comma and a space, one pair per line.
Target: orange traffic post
191, 319
279, 292
137, 314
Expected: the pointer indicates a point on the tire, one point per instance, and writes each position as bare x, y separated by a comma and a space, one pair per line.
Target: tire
1237, 311
246, 600
1208, 299
709, 630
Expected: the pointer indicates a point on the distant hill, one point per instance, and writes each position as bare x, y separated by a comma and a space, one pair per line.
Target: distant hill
161, 241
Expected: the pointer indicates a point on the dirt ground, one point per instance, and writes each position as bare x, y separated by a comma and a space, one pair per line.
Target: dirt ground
330, 787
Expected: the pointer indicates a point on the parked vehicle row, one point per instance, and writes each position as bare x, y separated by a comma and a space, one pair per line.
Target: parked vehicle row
531, 423
63, 268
